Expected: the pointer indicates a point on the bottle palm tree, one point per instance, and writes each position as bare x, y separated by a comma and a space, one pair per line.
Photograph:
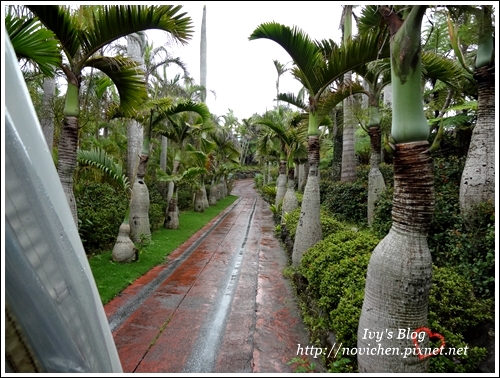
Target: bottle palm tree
316, 68
399, 272
124, 249
478, 177
180, 128
279, 121
81, 36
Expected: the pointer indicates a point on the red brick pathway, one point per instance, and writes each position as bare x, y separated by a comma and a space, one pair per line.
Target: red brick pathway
220, 304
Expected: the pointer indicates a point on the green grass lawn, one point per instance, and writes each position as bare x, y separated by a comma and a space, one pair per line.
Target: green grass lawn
111, 278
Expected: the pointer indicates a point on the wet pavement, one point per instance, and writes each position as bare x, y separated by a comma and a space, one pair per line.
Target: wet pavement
220, 303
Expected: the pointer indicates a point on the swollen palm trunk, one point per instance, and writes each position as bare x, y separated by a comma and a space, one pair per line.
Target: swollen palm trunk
290, 202
199, 206
124, 249
281, 184
172, 219
399, 273
309, 230
213, 194
478, 177
140, 231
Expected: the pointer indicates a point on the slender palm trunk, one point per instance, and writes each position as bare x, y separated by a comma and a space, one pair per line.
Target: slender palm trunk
172, 188
203, 54
400, 269
348, 173
134, 143
376, 184
134, 129
478, 177
300, 180
337, 145
308, 230
306, 174
163, 162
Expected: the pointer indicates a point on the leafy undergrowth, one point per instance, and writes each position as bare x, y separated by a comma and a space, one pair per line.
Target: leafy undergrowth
111, 278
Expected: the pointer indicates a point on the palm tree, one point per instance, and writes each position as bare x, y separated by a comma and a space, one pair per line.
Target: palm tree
478, 177
225, 158
316, 67
179, 130
281, 69
348, 170
280, 121
376, 80
124, 249
81, 36
203, 53
136, 46
399, 272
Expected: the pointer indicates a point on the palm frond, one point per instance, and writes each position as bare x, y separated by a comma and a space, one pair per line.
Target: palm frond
292, 99
360, 50
115, 21
332, 99
98, 158
187, 106
437, 67
59, 19
33, 42
370, 19
303, 51
127, 77
101, 85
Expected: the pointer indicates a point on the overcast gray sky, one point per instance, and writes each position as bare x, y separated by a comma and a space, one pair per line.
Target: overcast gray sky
241, 72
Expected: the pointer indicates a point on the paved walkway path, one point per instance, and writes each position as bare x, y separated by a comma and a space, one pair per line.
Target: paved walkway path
219, 305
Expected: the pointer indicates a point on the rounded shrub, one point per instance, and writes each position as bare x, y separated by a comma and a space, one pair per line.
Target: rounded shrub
334, 272
101, 209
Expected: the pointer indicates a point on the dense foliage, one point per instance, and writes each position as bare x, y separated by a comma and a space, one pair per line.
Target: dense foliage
331, 281
101, 208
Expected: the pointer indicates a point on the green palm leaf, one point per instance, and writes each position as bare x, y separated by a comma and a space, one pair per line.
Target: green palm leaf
292, 99
355, 52
190, 106
127, 77
370, 19
59, 20
332, 99
448, 71
113, 22
31, 41
98, 158
303, 51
